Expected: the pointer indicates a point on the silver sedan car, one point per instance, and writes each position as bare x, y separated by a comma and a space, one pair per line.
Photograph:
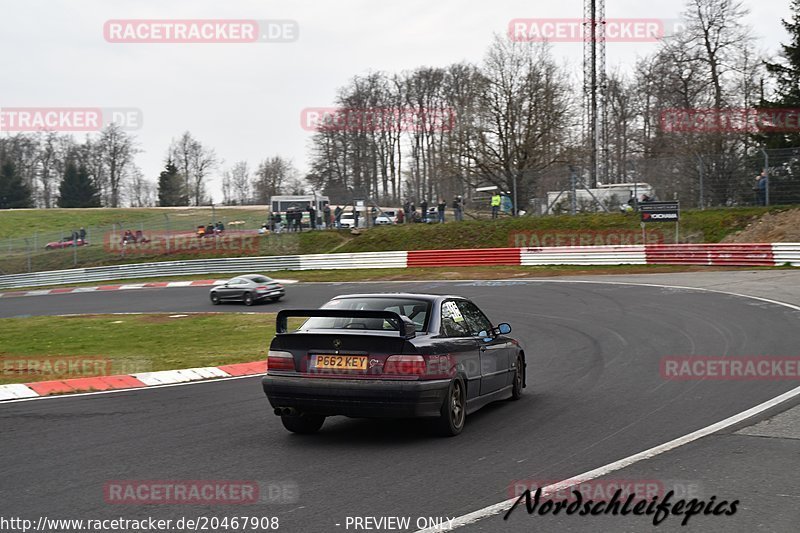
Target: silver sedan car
250, 288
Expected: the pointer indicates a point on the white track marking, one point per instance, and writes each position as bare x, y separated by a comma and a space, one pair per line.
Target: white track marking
622, 463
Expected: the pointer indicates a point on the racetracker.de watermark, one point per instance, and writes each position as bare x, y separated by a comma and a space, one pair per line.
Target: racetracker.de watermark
377, 119
577, 30
66, 119
243, 242
758, 368
200, 492
736, 120
55, 367
200, 31
552, 238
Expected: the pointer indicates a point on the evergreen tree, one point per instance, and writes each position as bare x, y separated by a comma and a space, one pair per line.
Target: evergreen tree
77, 188
14, 192
786, 74
171, 187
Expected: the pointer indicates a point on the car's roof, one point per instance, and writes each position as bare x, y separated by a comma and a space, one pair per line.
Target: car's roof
252, 276
398, 295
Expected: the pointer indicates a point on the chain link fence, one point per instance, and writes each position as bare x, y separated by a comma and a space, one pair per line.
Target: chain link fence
699, 181
176, 235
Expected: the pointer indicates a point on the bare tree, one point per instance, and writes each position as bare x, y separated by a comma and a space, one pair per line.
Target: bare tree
236, 184
141, 192
274, 176
523, 117
118, 149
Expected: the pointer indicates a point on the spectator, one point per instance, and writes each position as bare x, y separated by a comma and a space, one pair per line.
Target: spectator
326, 213
209, 229
440, 208
312, 217
82, 234
201, 231
496, 201
407, 208
220, 227
458, 214
424, 207
263, 229
401, 216
374, 213
277, 220
337, 215
762, 180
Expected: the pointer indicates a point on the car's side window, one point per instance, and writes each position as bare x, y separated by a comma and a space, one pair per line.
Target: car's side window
453, 322
474, 317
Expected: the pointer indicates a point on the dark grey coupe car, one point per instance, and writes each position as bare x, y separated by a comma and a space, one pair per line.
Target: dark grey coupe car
391, 355
250, 288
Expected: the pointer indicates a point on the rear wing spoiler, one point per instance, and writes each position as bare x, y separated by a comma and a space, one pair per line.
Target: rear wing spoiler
401, 324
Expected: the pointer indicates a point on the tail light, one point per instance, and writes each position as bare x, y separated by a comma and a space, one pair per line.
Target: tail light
405, 365
278, 360
261, 288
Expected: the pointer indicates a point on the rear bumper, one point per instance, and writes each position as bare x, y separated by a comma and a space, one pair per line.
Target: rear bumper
277, 293
357, 398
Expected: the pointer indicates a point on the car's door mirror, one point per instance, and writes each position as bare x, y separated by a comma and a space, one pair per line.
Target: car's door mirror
504, 328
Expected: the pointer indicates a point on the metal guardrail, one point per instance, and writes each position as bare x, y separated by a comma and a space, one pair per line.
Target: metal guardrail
786, 253
355, 260
584, 255
149, 270
723, 254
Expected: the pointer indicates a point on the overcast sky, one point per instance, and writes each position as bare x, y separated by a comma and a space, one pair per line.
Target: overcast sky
245, 100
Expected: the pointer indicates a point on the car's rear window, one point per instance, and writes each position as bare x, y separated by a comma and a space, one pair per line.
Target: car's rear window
417, 310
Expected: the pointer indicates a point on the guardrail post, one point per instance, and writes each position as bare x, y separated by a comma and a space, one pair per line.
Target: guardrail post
766, 171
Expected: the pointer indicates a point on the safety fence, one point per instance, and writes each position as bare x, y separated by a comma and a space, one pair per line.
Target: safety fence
660, 254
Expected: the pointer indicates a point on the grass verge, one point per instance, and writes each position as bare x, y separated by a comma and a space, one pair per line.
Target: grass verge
124, 344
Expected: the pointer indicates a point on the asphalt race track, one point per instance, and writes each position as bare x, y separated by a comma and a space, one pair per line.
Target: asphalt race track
595, 395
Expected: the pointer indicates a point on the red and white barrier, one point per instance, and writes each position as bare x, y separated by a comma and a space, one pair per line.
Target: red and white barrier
18, 391
777, 254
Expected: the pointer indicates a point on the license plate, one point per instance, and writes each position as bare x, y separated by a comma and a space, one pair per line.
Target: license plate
340, 362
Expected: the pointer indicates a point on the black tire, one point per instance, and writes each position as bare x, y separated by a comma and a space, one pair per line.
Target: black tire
214, 298
519, 378
248, 299
454, 410
303, 424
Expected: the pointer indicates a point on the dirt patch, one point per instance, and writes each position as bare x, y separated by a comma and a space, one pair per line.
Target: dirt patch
783, 226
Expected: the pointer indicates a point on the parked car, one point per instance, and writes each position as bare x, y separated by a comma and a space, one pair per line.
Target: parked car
391, 355
66, 242
347, 220
250, 288
386, 218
